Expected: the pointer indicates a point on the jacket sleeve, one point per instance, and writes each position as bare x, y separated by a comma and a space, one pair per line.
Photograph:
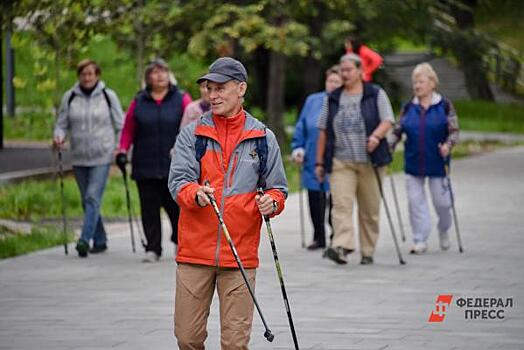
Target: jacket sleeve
62, 121
453, 126
184, 171
299, 136
117, 113
275, 176
128, 132
374, 60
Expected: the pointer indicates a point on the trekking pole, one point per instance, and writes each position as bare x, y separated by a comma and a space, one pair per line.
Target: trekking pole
301, 206
452, 197
401, 260
279, 273
121, 160
397, 207
267, 334
62, 197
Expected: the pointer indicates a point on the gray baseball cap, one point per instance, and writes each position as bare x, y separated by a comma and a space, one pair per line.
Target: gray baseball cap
225, 69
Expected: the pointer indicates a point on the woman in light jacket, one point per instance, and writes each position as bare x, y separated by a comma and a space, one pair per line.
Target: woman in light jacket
92, 116
431, 126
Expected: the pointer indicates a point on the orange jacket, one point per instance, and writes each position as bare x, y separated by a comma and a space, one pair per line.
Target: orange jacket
371, 61
230, 163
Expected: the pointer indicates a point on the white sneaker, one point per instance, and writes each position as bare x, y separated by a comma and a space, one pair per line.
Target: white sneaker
419, 248
150, 257
444, 241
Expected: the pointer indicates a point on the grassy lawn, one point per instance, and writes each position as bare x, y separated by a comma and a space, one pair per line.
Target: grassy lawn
13, 244
490, 117
37, 200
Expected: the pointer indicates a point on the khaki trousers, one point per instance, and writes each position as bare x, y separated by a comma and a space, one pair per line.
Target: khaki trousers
349, 182
195, 286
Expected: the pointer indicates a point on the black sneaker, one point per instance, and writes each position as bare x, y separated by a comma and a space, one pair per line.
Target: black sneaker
337, 255
366, 260
99, 248
82, 248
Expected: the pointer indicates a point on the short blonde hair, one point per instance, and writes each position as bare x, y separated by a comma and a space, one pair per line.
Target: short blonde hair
426, 70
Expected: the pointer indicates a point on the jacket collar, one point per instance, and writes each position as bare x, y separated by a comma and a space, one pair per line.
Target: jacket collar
98, 89
252, 127
435, 99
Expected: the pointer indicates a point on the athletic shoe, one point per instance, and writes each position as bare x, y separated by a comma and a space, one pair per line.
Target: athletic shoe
337, 255
150, 257
99, 248
366, 260
82, 248
444, 241
419, 248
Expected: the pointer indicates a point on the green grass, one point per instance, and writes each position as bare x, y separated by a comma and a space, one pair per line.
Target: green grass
13, 244
37, 200
490, 117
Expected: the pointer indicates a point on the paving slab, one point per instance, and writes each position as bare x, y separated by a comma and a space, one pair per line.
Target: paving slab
113, 301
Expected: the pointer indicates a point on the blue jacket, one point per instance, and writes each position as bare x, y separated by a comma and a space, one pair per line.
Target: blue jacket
306, 136
156, 132
425, 129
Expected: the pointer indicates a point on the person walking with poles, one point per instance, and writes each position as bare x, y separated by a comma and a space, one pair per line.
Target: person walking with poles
304, 145
92, 116
151, 127
430, 123
351, 147
221, 159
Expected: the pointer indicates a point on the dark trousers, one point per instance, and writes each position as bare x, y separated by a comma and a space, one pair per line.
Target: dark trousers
317, 209
154, 194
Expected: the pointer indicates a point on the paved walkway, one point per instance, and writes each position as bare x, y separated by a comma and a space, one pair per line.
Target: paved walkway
52, 301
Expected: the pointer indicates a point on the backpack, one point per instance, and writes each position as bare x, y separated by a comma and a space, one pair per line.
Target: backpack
261, 149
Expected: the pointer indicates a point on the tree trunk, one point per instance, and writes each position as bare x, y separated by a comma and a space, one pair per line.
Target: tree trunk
140, 44
275, 95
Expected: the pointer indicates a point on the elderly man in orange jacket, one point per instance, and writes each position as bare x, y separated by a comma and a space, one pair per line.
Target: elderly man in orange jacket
222, 147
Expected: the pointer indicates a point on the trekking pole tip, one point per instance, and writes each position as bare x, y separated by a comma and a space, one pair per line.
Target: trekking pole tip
461, 250
269, 336
402, 262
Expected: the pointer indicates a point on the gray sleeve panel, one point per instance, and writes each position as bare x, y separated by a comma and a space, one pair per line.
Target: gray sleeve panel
385, 111
62, 121
275, 175
184, 166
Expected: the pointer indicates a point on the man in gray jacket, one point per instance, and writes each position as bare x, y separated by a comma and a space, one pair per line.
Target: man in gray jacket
92, 116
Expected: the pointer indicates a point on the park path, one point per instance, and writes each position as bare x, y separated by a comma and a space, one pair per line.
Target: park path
52, 301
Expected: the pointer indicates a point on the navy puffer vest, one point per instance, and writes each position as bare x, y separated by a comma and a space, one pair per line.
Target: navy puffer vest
368, 107
157, 127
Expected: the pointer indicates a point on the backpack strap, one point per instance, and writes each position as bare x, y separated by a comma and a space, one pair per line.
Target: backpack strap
200, 147
262, 151
70, 99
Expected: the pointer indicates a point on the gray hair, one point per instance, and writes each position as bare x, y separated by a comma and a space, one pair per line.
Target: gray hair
427, 70
351, 57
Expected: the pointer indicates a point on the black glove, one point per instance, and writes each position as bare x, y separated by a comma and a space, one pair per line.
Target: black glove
121, 161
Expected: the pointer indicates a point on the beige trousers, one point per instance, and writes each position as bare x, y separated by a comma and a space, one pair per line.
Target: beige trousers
349, 182
195, 286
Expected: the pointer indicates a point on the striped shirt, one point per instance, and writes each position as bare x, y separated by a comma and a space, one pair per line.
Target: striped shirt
349, 127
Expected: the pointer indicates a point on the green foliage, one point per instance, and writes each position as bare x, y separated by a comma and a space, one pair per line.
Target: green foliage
12, 244
38, 200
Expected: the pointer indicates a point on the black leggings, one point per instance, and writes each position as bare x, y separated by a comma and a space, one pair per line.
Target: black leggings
317, 210
154, 194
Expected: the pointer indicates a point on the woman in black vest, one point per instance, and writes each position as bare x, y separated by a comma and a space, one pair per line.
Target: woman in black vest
151, 126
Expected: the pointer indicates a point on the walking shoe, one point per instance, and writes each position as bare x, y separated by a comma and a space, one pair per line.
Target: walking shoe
444, 241
419, 248
150, 257
315, 245
366, 260
99, 248
82, 248
337, 255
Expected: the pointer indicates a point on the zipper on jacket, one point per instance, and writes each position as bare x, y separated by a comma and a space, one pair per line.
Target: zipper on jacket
221, 208
421, 143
